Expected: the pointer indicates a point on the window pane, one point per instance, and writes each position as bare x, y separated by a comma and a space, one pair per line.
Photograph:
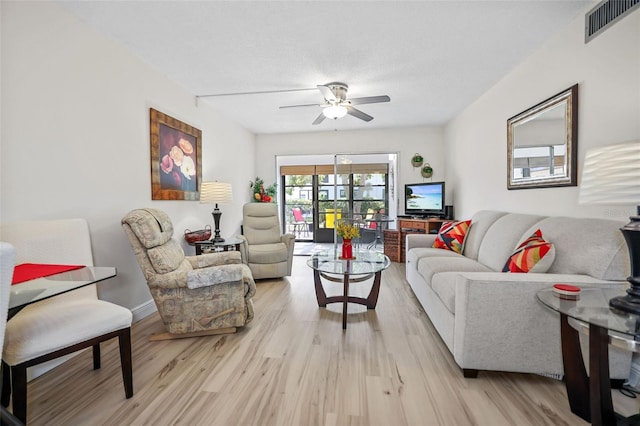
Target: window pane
368, 193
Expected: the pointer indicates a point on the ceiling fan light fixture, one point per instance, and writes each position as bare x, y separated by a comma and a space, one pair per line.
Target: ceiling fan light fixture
335, 111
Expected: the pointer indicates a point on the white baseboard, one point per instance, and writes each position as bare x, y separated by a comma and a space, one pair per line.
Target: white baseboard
144, 310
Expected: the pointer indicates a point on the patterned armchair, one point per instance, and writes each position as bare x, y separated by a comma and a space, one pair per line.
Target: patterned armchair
195, 295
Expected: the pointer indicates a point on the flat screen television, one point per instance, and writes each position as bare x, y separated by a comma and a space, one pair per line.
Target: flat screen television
424, 199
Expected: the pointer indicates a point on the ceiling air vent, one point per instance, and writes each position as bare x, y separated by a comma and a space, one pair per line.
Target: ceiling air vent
605, 14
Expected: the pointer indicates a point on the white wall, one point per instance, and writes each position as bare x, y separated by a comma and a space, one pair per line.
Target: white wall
406, 142
608, 73
75, 137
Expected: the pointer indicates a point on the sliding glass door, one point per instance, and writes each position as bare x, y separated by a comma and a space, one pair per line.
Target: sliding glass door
298, 208
316, 196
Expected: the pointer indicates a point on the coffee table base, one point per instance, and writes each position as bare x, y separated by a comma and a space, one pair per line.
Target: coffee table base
370, 302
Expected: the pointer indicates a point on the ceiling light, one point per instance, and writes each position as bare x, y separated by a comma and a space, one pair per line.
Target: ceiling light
335, 111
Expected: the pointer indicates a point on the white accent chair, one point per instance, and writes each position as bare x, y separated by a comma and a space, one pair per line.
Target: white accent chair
7, 262
268, 253
64, 324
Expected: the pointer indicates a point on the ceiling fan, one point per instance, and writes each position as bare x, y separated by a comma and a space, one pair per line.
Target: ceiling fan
336, 105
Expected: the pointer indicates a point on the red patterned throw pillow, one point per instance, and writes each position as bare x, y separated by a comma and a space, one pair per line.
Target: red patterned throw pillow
451, 236
535, 254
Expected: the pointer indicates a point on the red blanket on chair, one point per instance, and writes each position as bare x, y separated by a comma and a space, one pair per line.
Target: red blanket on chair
31, 271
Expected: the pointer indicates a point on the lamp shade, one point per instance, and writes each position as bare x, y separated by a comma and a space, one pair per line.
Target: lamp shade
335, 111
216, 192
611, 175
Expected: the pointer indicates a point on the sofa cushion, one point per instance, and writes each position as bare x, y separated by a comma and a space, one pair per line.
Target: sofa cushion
451, 236
503, 236
534, 254
444, 285
480, 224
594, 247
429, 266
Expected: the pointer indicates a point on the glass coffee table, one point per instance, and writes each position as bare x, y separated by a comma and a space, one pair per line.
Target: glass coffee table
366, 265
590, 395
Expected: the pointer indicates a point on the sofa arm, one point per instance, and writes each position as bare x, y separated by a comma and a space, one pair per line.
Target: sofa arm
500, 325
419, 241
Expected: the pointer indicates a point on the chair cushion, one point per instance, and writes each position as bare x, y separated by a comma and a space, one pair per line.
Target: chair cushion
167, 257
42, 328
152, 227
533, 255
260, 223
268, 253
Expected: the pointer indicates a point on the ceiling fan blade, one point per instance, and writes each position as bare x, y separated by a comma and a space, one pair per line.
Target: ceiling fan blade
359, 114
327, 93
297, 106
369, 100
318, 120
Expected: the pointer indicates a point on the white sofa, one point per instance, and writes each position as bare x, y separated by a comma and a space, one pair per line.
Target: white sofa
491, 320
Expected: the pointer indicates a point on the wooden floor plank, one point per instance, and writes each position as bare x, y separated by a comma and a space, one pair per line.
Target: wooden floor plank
294, 365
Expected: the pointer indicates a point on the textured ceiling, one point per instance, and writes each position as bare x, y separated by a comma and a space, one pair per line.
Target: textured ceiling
433, 58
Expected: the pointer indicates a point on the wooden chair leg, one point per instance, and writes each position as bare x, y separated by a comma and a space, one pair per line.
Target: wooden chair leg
124, 340
96, 356
6, 384
19, 391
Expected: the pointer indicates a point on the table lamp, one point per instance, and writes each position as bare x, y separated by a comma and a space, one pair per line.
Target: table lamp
611, 175
216, 192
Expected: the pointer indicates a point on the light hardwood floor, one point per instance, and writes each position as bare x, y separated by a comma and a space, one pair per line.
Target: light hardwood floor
294, 365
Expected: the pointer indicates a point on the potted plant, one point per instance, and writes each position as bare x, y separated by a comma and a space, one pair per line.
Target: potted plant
417, 160
348, 232
260, 193
427, 171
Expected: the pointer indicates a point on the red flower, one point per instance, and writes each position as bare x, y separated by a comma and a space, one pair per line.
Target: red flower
266, 199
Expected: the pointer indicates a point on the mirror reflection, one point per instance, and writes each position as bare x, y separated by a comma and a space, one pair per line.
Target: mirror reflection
542, 143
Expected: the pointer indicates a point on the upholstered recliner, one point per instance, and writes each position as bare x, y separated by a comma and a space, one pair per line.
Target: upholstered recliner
195, 295
268, 253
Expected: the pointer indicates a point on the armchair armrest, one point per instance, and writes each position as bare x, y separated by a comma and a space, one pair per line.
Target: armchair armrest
244, 248
180, 278
214, 259
288, 239
206, 277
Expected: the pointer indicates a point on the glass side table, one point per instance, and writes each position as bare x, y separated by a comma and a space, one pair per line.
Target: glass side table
590, 395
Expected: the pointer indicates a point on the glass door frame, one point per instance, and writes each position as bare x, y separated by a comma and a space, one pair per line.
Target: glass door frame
391, 196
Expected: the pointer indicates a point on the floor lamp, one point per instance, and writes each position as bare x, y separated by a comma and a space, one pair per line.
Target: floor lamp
611, 175
214, 193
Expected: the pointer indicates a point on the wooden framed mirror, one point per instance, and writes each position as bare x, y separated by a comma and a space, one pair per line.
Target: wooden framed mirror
542, 143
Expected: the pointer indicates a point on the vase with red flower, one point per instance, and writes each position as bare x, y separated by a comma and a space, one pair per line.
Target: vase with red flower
347, 249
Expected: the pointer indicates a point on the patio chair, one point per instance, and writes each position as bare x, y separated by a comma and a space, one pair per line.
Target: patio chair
300, 226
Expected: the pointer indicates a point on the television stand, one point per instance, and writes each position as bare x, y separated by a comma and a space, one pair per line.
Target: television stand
429, 225
394, 240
